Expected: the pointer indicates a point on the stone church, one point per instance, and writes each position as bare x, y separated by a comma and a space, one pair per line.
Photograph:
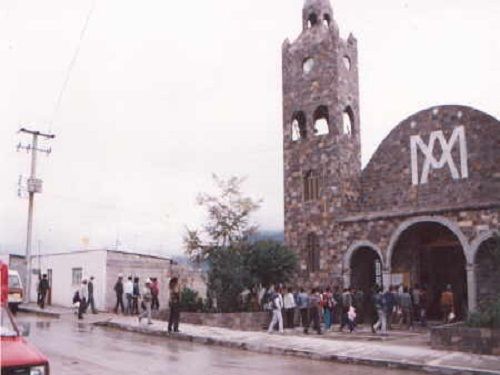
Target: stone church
424, 211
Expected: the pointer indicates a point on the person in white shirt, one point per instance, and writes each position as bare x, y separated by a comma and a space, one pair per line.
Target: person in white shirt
128, 289
277, 305
289, 304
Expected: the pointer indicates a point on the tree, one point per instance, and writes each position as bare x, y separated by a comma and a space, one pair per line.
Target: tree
269, 262
228, 222
227, 278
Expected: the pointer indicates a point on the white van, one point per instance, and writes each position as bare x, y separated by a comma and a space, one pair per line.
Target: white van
15, 290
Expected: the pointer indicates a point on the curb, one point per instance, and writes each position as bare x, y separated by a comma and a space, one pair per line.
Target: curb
308, 354
49, 314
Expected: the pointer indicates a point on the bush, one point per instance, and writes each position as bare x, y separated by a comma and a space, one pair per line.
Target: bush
190, 302
487, 317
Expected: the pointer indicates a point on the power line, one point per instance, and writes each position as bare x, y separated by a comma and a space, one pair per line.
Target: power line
71, 65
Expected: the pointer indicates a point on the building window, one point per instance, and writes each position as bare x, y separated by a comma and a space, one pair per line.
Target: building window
321, 122
311, 186
76, 276
307, 65
312, 20
312, 248
347, 121
299, 126
347, 62
326, 20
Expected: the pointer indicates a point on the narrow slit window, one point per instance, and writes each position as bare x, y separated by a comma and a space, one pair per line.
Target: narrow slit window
299, 130
347, 121
311, 186
313, 253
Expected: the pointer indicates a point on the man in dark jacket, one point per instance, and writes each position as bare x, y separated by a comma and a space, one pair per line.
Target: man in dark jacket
44, 288
119, 294
389, 303
90, 300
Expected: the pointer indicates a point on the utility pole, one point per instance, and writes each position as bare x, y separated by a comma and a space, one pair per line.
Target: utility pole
34, 186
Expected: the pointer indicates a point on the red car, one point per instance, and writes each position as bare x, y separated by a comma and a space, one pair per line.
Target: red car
18, 356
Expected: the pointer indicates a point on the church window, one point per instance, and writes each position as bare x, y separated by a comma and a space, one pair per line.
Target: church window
311, 186
347, 121
307, 65
326, 20
312, 20
321, 123
299, 126
313, 254
347, 62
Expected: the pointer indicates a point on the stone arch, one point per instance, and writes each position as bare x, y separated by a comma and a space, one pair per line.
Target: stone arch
454, 228
363, 266
478, 241
357, 245
321, 120
312, 20
416, 250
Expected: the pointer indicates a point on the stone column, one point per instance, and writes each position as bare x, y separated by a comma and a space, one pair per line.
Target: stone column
471, 287
347, 278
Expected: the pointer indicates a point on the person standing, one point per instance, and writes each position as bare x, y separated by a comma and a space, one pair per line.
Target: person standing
303, 305
390, 305
277, 306
91, 301
337, 314
447, 303
135, 296
424, 302
415, 297
84, 296
118, 288
147, 297
359, 304
128, 288
315, 309
378, 301
406, 308
346, 304
155, 291
44, 288
175, 305
328, 305
289, 305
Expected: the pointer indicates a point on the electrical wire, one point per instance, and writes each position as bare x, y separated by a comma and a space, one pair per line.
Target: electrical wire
71, 65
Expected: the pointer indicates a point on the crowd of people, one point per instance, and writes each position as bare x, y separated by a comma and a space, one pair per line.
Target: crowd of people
321, 309
143, 301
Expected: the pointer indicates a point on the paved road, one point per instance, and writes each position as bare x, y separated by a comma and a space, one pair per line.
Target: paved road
80, 348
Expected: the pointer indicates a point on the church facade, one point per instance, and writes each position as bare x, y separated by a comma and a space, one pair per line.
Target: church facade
424, 211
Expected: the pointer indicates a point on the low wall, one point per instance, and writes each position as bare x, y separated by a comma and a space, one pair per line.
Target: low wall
466, 339
244, 321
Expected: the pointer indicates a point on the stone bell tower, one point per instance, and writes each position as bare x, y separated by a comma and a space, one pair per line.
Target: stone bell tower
321, 138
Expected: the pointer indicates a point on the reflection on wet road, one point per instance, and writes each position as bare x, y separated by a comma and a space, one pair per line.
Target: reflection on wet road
76, 348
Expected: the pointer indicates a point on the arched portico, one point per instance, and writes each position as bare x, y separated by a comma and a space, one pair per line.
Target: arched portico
432, 251
363, 265
486, 267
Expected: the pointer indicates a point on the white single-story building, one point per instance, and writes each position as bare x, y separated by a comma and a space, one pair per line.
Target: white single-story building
66, 270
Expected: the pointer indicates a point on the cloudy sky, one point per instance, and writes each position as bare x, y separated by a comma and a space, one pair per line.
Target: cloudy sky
162, 93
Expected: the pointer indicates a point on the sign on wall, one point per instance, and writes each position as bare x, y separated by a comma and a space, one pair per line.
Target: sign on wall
457, 139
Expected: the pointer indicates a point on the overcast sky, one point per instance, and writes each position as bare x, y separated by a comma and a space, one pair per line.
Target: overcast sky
164, 93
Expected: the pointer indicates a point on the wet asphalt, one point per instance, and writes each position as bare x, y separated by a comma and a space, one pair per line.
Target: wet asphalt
81, 348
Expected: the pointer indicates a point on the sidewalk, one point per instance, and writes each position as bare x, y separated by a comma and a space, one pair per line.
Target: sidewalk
396, 353
49, 311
